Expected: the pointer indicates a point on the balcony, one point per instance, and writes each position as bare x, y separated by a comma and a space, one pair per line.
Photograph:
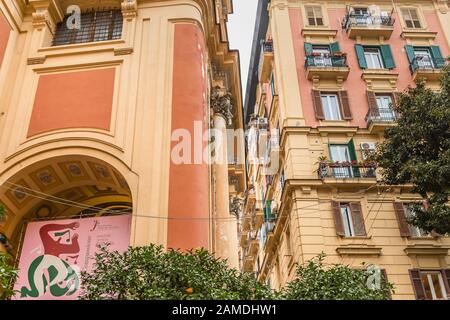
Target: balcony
427, 68
265, 61
326, 67
243, 238
347, 172
258, 219
360, 25
267, 235
379, 119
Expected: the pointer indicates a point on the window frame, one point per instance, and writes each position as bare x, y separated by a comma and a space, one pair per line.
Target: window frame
415, 232
372, 52
347, 219
328, 95
315, 9
428, 274
420, 18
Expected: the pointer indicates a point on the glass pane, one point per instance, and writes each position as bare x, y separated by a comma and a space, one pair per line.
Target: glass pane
347, 221
427, 287
437, 285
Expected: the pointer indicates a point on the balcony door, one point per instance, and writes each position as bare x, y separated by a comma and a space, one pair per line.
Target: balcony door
423, 58
322, 56
341, 153
385, 111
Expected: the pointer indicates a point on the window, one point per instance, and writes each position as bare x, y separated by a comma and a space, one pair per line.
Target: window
384, 104
314, 15
413, 230
331, 107
272, 85
347, 221
423, 58
341, 153
322, 56
433, 285
373, 58
411, 18
95, 26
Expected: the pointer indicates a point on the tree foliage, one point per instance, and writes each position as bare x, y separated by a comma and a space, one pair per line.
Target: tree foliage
417, 151
151, 273
317, 281
8, 275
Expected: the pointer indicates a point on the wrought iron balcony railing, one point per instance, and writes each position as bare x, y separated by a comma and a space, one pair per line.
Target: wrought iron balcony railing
427, 63
369, 21
347, 170
326, 61
381, 115
267, 46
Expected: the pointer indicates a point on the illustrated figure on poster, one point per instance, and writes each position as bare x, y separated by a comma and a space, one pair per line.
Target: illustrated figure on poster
55, 270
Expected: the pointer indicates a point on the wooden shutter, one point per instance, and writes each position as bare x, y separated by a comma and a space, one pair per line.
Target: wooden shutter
416, 281
336, 208
317, 102
345, 105
388, 58
446, 276
358, 219
385, 279
436, 53
401, 219
361, 58
411, 56
372, 100
308, 48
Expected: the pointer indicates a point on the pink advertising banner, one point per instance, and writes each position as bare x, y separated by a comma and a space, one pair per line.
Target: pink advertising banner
55, 252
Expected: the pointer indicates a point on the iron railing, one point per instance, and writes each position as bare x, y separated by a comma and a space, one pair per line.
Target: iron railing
369, 21
381, 115
94, 26
325, 61
427, 63
346, 170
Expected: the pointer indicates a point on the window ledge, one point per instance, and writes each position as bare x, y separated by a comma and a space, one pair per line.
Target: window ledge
359, 249
426, 249
81, 45
418, 34
337, 123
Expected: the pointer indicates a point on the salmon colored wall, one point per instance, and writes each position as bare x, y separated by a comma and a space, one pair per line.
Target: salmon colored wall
355, 85
189, 183
80, 99
5, 30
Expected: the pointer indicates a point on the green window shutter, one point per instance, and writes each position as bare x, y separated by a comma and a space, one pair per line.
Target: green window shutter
437, 56
351, 150
388, 58
308, 48
360, 54
334, 47
410, 54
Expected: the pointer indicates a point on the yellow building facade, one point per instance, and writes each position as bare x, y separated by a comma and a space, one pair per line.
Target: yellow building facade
322, 81
88, 115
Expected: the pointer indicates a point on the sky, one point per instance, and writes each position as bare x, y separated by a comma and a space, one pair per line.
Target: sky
241, 25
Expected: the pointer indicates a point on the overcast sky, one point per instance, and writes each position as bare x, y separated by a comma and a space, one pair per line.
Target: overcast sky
241, 25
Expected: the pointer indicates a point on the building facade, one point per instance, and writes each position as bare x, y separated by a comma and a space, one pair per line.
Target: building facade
325, 77
95, 97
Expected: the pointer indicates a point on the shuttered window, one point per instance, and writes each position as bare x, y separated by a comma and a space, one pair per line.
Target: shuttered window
403, 211
94, 26
314, 15
331, 105
375, 57
411, 18
430, 284
348, 219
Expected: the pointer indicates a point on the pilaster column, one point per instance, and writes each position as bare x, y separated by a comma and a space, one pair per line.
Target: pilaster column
291, 112
225, 223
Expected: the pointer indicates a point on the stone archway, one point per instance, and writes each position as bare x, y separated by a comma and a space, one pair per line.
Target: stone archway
62, 186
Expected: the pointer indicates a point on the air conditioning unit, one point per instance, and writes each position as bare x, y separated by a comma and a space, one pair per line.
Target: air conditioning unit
263, 123
367, 148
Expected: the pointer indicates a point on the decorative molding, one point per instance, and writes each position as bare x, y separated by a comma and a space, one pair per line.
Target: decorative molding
426, 249
36, 60
419, 35
129, 9
41, 19
123, 51
236, 206
359, 249
376, 78
221, 103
